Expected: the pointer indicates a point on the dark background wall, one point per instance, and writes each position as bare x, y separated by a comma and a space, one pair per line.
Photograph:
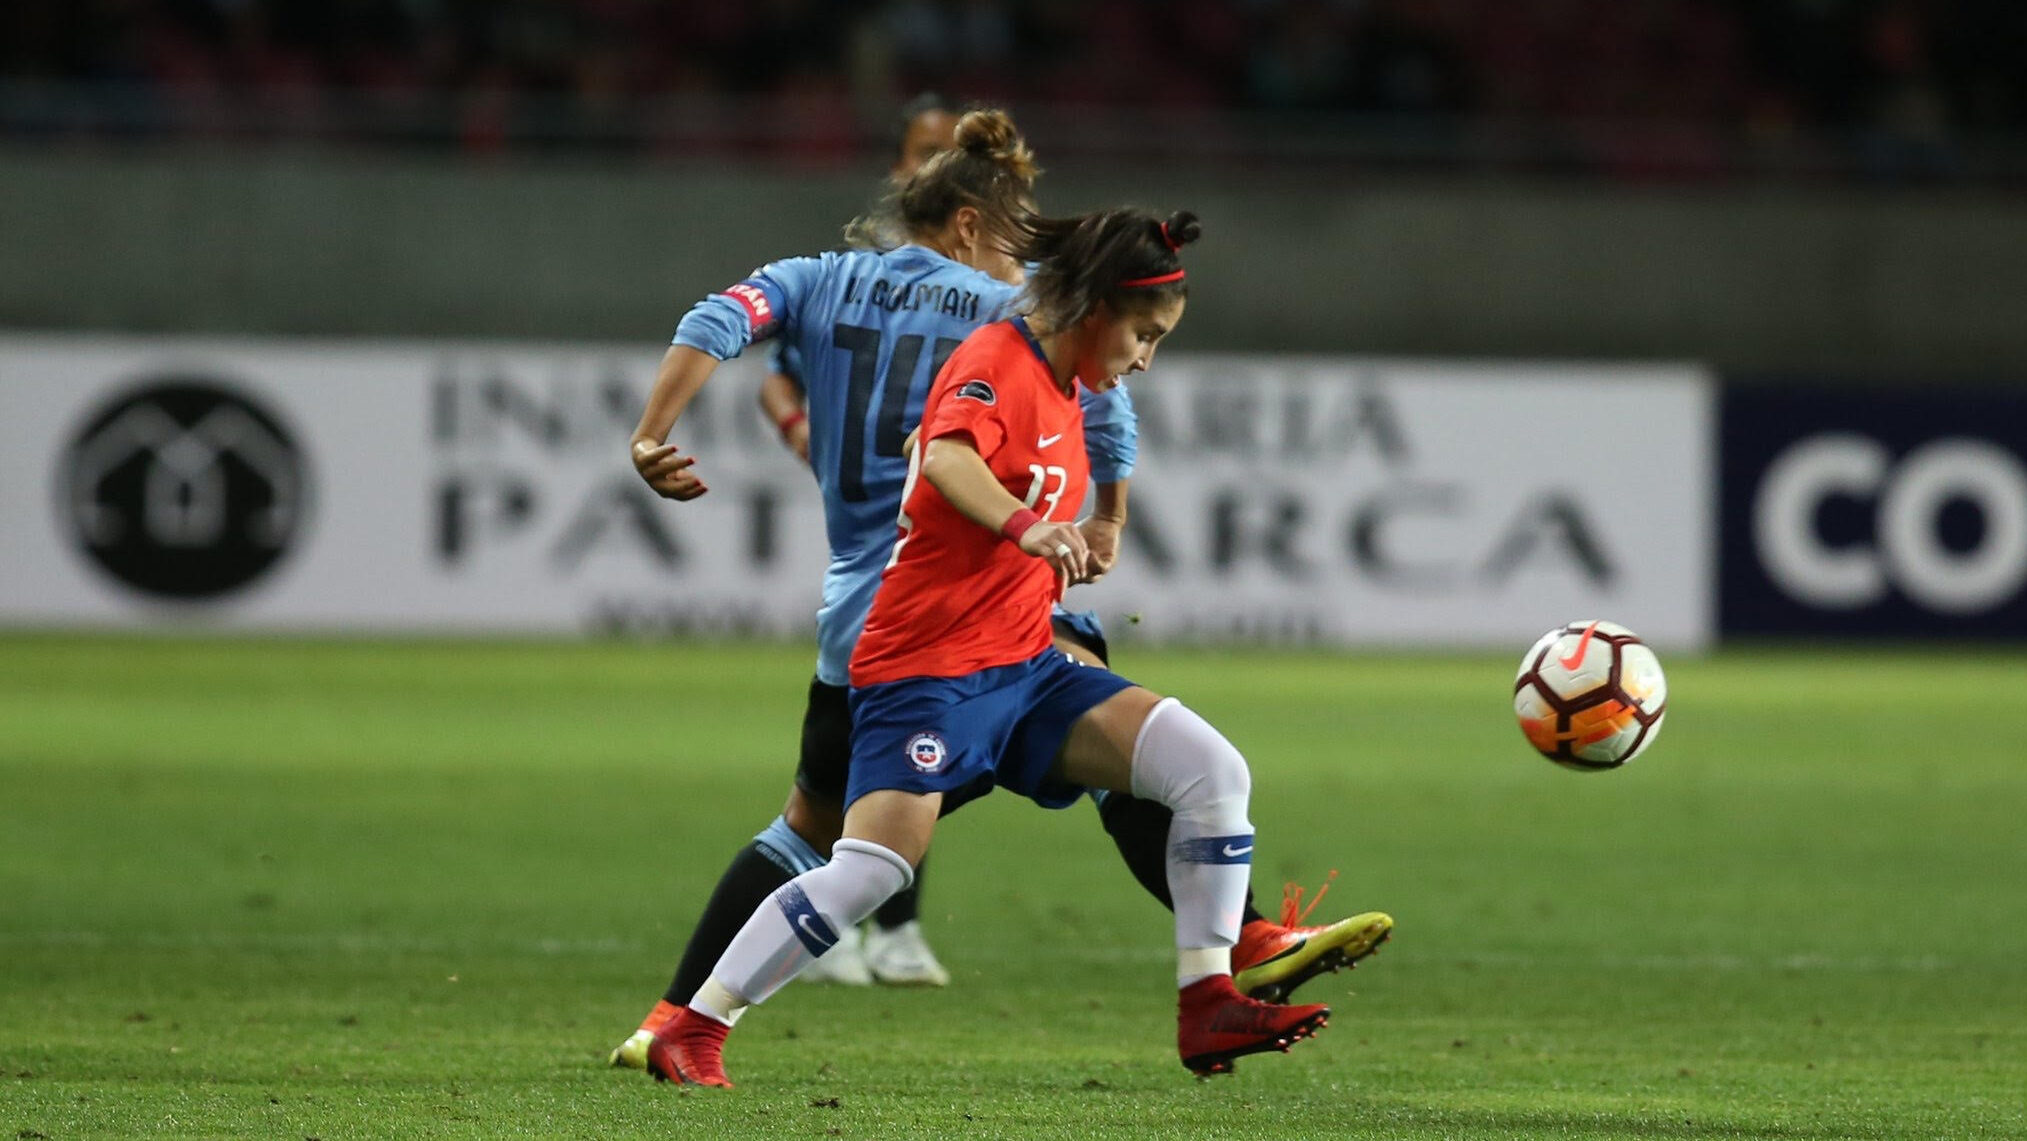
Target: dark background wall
1747, 276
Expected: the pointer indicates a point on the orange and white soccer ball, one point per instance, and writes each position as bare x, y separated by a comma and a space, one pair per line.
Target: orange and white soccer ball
1590, 695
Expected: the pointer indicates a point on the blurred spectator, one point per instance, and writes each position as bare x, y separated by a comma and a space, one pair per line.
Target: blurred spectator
1638, 87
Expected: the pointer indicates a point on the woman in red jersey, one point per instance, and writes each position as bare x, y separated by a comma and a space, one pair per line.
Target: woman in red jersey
955, 686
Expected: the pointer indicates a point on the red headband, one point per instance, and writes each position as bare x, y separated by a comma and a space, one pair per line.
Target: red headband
1157, 279
1160, 278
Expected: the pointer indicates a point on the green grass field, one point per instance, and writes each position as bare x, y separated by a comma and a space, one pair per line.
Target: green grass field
276, 889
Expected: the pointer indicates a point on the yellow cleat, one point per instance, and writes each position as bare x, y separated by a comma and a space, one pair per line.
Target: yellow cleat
632, 1054
1278, 959
1272, 959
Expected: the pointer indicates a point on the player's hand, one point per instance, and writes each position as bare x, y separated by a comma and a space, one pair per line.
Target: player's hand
1101, 536
1062, 546
665, 471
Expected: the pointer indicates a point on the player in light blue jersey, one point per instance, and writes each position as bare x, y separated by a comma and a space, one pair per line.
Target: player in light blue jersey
925, 127
872, 327
893, 949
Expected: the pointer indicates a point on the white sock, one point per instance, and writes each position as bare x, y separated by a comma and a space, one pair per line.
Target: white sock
714, 1000
798, 922
1180, 761
1193, 964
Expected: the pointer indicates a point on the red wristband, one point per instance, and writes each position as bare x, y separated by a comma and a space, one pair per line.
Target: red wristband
787, 423
1017, 524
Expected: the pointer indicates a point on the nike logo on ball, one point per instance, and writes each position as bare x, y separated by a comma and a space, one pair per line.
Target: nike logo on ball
1583, 647
1231, 851
1045, 441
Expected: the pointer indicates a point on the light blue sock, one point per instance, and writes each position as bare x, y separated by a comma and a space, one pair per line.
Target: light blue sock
786, 850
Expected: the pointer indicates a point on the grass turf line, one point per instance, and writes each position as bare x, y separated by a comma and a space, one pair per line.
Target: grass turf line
296, 889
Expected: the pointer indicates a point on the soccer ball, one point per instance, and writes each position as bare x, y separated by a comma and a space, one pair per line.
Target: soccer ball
1590, 695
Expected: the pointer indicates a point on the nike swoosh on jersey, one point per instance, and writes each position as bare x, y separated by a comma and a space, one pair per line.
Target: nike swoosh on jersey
1045, 441
1576, 659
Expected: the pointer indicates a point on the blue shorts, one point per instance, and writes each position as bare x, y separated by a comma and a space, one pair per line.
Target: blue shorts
1082, 627
1000, 727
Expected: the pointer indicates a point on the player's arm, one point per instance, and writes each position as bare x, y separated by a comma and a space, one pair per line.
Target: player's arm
1112, 443
715, 329
1104, 526
683, 373
781, 398
954, 468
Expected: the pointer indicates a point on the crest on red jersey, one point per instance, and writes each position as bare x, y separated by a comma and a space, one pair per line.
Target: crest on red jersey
977, 390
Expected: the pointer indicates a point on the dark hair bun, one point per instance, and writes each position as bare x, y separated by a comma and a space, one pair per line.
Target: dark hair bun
1183, 228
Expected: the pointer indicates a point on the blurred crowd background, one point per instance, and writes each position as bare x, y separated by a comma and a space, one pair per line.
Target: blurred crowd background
1772, 186
1848, 89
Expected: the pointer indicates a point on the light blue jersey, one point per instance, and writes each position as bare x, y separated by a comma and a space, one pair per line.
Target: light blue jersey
867, 331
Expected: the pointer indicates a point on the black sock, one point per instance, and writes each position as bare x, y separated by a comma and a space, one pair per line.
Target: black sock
1140, 830
748, 880
904, 906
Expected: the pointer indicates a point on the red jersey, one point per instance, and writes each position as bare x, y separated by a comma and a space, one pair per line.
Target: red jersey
956, 597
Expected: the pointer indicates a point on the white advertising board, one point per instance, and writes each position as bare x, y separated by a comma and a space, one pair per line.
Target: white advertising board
1347, 502
394, 487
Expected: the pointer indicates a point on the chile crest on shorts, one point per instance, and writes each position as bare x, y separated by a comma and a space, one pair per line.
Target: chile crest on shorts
926, 752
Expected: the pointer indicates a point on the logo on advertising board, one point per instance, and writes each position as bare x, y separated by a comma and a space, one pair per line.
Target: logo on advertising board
184, 488
1854, 512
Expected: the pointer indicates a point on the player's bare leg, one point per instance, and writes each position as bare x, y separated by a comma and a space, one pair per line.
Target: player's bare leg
816, 821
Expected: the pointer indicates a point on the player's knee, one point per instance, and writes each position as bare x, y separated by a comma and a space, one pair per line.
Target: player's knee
816, 822
860, 877
1182, 761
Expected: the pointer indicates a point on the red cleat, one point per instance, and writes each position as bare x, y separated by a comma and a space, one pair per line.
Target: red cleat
690, 1050
1272, 959
1215, 1024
